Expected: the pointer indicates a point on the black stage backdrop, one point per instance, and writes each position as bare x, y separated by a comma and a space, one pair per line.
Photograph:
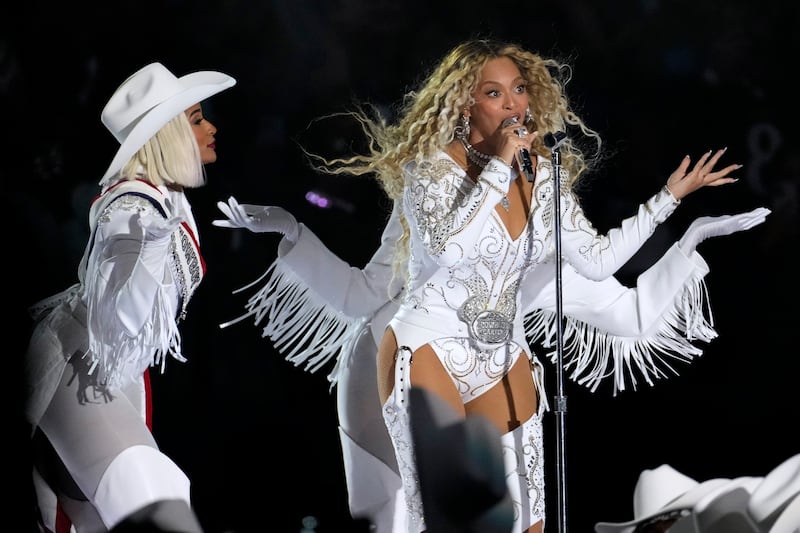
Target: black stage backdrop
258, 436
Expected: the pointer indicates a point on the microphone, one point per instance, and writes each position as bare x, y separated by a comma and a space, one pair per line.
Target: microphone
524, 158
554, 140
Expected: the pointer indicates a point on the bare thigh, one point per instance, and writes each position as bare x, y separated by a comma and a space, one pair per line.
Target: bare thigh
427, 372
507, 405
512, 401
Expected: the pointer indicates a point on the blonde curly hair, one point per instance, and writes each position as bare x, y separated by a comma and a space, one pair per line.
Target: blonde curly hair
427, 118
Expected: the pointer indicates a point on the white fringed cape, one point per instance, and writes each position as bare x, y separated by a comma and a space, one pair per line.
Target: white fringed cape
307, 331
590, 355
303, 327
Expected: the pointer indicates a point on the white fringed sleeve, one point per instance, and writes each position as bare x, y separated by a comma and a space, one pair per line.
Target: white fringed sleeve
615, 331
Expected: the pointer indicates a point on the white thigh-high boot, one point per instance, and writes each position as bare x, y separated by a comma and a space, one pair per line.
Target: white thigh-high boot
523, 456
396, 417
375, 491
139, 476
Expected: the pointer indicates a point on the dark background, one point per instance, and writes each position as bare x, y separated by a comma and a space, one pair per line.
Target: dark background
257, 436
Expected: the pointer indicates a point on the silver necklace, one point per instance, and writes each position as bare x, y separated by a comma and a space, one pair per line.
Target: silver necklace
480, 159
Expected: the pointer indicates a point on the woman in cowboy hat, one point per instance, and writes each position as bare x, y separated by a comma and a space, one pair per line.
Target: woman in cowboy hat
86, 363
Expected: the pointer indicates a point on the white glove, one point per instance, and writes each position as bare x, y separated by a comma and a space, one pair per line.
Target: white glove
705, 227
258, 218
157, 230
157, 238
134, 303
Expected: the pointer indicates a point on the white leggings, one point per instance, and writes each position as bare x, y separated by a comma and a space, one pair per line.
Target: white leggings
107, 448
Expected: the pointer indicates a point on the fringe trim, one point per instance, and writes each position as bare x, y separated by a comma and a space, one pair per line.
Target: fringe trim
303, 327
590, 355
119, 358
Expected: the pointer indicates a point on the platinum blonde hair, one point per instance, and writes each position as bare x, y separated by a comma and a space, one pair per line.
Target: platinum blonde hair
170, 157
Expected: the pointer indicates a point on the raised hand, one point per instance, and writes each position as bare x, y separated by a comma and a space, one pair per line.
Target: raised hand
704, 227
258, 218
158, 230
682, 182
154, 255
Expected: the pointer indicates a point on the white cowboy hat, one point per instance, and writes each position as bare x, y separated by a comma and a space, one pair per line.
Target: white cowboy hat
789, 519
149, 99
662, 490
725, 510
780, 485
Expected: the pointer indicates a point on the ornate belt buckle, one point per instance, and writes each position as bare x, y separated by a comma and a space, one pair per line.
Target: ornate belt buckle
490, 328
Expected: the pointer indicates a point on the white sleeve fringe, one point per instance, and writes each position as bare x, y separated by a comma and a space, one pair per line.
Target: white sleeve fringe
120, 358
304, 328
591, 355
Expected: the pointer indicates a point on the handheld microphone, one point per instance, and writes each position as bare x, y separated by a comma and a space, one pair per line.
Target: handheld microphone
524, 158
554, 140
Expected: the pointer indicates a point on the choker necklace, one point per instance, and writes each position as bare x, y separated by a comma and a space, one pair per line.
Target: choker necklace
480, 160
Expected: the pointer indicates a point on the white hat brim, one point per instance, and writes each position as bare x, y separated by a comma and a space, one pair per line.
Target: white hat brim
198, 87
686, 500
778, 487
715, 498
788, 520
726, 508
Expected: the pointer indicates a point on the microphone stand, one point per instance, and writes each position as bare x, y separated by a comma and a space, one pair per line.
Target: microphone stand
553, 141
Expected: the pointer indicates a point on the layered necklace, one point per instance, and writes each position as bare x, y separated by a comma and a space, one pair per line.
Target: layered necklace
480, 160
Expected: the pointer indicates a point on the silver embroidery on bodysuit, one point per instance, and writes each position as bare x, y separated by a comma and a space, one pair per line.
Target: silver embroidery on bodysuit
127, 202
186, 266
465, 270
481, 289
437, 200
594, 245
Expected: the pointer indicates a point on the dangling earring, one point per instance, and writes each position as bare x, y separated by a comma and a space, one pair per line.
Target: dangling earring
528, 116
462, 130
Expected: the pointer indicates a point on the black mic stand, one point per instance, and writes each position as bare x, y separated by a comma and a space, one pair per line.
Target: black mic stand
553, 141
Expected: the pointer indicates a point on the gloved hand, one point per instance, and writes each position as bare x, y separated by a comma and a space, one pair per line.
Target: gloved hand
157, 238
158, 231
258, 218
705, 227
135, 299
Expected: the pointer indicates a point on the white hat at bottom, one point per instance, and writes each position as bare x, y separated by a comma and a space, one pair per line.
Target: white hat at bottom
663, 490
780, 486
789, 520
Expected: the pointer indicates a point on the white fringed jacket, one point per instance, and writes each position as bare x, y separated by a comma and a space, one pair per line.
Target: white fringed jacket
313, 305
123, 313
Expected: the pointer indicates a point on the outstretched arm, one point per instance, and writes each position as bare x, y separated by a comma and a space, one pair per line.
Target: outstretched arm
706, 227
612, 330
258, 218
598, 256
353, 291
312, 303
